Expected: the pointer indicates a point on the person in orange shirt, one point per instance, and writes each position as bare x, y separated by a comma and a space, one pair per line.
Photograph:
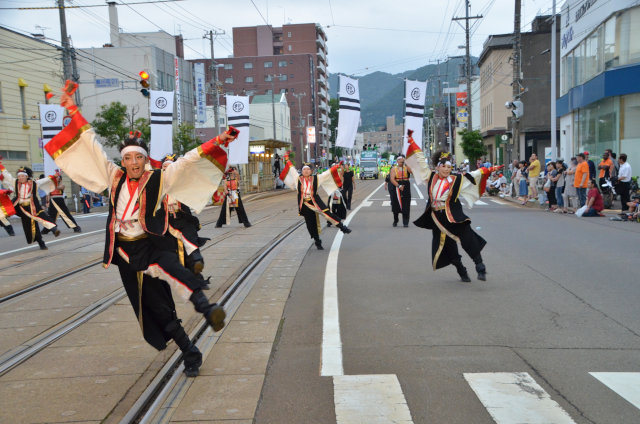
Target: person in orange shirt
581, 179
605, 167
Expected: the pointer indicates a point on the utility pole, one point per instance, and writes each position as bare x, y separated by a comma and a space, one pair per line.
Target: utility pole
554, 152
299, 96
64, 38
273, 101
516, 84
468, 59
214, 78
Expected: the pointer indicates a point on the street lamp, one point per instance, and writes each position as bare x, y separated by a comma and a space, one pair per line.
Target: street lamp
450, 138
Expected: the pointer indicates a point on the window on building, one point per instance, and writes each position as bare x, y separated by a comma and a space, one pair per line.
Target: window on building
289, 47
282, 64
228, 66
248, 65
290, 76
248, 79
228, 80
283, 91
283, 77
268, 92
229, 93
629, 119
249, 92
268, 64
1, 109
289, 34
268, 78
13, 155
609, 47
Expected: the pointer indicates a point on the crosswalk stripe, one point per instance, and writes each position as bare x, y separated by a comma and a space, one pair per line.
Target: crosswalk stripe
388, 203
626, 384
512, 398
371, 399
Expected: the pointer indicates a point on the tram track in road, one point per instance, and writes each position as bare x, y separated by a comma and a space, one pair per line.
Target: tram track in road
27, 349
85, 265
161, 394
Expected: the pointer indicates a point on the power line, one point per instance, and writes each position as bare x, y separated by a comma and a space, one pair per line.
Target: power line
258, 10
80, 6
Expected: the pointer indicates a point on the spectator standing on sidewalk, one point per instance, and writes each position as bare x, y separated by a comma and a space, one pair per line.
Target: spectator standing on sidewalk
559, 179
534, 173
595, 204
592, 166
569, 189
606, 169
581, 179
86, 200
523, 190
551, 183
624, 181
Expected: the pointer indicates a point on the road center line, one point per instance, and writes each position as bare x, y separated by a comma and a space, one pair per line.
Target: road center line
331, 340
35, 246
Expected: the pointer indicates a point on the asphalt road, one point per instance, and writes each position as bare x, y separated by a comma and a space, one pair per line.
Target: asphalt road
560, 303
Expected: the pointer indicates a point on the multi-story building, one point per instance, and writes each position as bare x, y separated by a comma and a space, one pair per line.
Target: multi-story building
30, 68
496, 77
388, 138
599, 107
111, 73
292, 60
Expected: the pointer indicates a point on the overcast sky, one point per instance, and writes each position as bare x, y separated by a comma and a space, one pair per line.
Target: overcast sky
363, 35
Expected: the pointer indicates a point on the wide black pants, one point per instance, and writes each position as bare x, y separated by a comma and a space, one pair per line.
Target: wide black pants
622, 188
347, 193
444, 248
30, 226
62, 210
311, 214
242, 215
151, 297
402, 205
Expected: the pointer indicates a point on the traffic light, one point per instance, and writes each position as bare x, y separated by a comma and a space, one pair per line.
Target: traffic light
518, 109
144, 82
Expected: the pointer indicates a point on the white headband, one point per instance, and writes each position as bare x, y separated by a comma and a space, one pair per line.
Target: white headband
306, 166
138, 149
22, 173
446, 163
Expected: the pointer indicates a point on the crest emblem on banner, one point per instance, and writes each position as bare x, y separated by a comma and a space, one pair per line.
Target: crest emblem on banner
238, 106
50, 116
350, 88
415, 94
161, 102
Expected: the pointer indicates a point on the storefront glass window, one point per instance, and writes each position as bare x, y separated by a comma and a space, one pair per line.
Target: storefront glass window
630, 118
609, 41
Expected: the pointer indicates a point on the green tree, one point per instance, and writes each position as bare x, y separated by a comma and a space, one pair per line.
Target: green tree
333, 118
114, 121
111, 123
472, 145
185, 139
385, 155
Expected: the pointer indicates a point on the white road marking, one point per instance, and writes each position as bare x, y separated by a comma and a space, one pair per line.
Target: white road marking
35, 246
626, 384
480, 202
499, 202
388, 203
371, 399
331, 341
91, 215
513, 398
358, 398
418, 190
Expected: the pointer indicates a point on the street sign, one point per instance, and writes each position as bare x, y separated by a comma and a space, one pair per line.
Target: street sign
504, 137
462, 115
107, 82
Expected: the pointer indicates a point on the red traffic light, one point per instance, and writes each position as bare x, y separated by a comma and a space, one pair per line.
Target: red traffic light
144, 79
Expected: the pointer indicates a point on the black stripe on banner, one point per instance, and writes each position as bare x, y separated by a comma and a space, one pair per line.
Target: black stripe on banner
415, 106
417, 115
161, 122
51, 128
352, 108
347, 99
245, 124
161, 113
47, 137
236, 118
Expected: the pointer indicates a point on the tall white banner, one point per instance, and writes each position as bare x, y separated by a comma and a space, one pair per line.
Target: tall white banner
161, 105
51, 117
201, 102
176, 63
238, 117
414, 98
348, 112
